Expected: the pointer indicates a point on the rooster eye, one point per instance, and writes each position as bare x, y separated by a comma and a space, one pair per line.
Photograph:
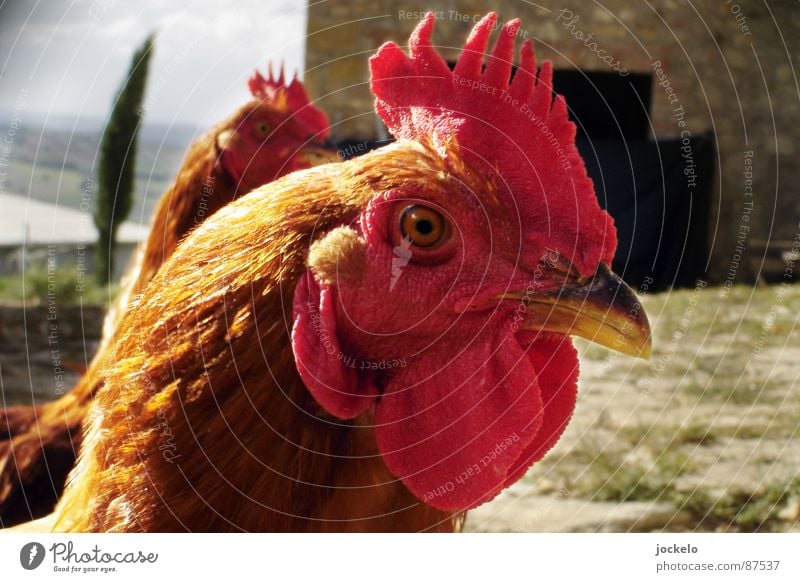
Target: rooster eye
423, 226
262, 129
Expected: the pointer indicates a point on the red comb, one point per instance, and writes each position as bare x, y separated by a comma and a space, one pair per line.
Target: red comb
514, 127
291, 98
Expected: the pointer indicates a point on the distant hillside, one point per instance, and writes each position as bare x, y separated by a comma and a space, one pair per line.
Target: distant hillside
56, 164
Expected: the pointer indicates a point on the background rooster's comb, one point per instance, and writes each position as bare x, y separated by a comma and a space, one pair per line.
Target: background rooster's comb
516, 127
292, 99
268, 87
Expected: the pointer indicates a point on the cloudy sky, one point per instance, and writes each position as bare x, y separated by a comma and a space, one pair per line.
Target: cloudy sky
67, 58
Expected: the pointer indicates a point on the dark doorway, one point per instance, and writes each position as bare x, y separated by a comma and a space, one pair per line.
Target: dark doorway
607, 105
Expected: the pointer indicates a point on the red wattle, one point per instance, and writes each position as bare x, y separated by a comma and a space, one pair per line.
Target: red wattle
556, 363
453, 425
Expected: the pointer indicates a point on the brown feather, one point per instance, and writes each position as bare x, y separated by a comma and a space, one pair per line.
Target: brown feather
204, 423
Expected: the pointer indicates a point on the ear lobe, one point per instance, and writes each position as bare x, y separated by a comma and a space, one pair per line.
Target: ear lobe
328, 373
340, 255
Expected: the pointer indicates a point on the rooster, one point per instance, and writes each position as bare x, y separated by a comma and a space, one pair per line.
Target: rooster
377, 345
277, 132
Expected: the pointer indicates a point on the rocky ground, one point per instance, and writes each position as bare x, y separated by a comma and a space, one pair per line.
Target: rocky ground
702, 438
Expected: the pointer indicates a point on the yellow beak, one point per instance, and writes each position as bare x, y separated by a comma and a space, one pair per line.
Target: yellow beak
315, 155
602, 309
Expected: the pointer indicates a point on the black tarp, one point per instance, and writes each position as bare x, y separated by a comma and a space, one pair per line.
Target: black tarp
662, 221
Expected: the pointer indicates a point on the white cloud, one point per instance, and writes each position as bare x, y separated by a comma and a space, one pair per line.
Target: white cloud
205, 49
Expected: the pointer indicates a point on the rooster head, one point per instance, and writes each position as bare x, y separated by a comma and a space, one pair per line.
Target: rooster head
280, 131
444, 309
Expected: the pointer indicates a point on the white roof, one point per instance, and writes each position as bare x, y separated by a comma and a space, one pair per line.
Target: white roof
25, 221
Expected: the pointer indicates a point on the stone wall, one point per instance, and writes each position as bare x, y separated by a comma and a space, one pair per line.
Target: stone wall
722, 66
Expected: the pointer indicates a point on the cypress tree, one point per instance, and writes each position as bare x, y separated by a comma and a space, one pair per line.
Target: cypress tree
118, 160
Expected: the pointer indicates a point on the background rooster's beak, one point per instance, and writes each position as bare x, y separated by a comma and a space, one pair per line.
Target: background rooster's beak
602, 309
225, 139
315, 155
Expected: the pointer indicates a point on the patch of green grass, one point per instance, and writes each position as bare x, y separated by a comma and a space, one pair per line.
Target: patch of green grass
665, 436
63, 284
741, 511
609, 475
782, 427
695, 433
735, 390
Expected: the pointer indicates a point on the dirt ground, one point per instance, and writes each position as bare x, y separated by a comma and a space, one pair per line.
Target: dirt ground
704, 437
